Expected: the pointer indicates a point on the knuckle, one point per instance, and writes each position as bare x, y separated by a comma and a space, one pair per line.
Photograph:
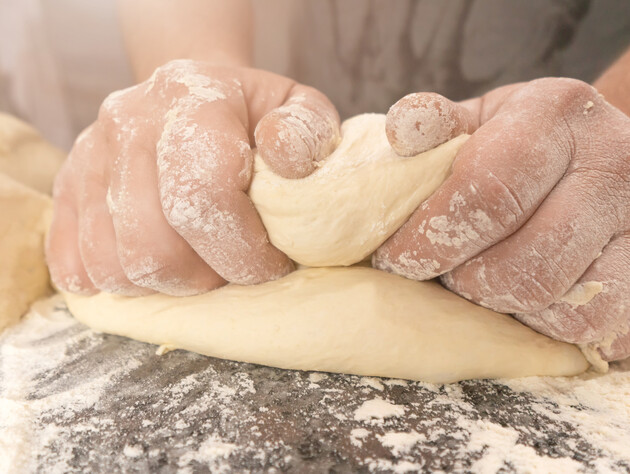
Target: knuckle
497, 200
505, 287
566, 90
537, 285
113, 103
147, 269
563, 323
188, 209
561, 97
166, 70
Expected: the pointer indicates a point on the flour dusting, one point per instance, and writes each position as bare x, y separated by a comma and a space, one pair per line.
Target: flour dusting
72, 400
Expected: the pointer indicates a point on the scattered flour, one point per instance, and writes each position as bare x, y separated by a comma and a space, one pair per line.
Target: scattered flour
357, 436
72, 400
400, 443
378, 409
372, 382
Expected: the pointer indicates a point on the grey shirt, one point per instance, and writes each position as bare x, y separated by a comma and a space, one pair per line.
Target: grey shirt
60, 58
366, 54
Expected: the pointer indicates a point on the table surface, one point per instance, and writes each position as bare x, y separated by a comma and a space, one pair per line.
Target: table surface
72, 400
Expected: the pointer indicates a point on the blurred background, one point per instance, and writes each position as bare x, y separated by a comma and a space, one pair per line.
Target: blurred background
60, 58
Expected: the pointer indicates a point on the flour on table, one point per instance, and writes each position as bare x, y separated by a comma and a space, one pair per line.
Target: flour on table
72, 400
377, 409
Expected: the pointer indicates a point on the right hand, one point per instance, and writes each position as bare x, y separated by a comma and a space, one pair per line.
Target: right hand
153, 196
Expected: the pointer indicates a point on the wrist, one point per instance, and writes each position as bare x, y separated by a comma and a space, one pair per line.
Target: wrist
144, 68
614, 84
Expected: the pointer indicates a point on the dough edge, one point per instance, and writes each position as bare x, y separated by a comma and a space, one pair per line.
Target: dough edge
353, 320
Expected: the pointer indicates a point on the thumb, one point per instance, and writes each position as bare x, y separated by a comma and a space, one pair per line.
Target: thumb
421, 121
292, 138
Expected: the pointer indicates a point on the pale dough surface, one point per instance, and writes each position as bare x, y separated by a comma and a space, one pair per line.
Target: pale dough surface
28, 165
24, 218
354, 320
349, 206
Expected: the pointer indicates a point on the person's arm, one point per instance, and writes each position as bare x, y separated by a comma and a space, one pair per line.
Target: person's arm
535, 210
157, 31
614, 84
153, 196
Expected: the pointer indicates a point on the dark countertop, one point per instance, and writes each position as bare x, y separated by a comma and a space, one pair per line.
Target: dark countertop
72, 400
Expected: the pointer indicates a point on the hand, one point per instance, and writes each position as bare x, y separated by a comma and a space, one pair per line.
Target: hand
538, 204
153, 196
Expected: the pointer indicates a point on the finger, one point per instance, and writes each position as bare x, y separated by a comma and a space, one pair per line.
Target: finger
294, 137
421, 121
204, 170
596, 310
62, 247
97, 239
536, 265
152, 254
499, 178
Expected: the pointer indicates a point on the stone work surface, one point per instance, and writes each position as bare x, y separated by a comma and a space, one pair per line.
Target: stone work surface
72, 400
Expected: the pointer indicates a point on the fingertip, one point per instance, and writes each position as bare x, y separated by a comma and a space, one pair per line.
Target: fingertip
63, 257
421, 121
406, 263
292, 138
66, 269
284, 147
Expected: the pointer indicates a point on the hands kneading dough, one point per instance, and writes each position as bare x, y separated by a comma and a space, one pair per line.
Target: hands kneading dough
153, 196
356, 320
535, 218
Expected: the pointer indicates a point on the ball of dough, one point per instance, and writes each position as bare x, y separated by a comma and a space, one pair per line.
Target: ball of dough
361, 194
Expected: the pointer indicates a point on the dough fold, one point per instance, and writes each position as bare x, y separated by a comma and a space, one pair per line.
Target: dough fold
353, 320
361, 195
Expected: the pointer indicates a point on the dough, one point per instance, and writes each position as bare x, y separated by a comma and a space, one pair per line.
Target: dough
348, 207
24, 218
28, 165
26, 157
352, 320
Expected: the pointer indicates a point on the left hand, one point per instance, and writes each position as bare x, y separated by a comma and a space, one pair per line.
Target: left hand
538, 204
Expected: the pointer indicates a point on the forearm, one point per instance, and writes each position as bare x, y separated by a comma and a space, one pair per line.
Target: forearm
157, 31
614, 84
